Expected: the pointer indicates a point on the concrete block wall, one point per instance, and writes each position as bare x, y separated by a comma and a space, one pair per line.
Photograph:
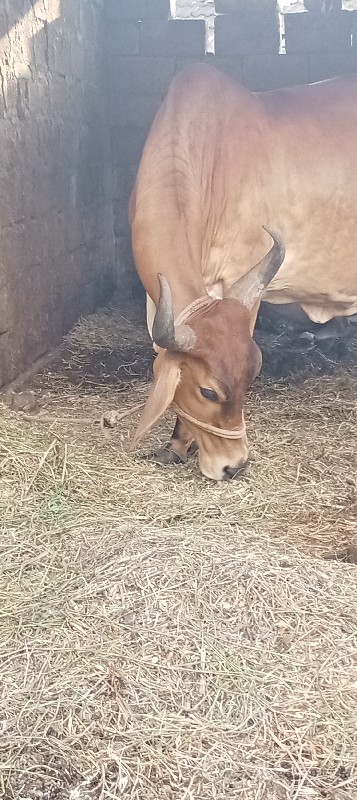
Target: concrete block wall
145, 48
56, 216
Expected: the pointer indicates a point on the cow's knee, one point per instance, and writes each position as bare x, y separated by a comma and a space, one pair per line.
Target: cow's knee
177, 449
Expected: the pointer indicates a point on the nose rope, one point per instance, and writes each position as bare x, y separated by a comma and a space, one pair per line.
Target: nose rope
235, 433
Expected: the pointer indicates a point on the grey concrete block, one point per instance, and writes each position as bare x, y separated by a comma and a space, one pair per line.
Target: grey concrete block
265, 72
134, 111
179, 37
317, 33
329, 65
246, 34
119, 10
123, 182
127, 145
123, 39
244, 6
155, 9
124, 261
121, 219
140, 76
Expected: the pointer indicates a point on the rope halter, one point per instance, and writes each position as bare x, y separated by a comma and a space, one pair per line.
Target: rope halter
222, 433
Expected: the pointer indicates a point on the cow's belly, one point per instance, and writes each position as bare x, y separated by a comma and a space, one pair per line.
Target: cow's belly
321, 289
316, 311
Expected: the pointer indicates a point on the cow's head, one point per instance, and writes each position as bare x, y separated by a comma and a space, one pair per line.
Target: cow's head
206, 362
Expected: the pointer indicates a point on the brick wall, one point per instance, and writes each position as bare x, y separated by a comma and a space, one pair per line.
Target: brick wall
145, 49
56, 221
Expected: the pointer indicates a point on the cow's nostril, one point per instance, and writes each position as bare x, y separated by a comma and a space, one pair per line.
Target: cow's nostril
230, 472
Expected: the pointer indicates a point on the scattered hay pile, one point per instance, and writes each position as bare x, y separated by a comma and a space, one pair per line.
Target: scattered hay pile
162, 636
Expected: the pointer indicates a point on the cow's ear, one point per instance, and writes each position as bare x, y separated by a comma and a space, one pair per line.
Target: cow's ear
167, 379
250, 287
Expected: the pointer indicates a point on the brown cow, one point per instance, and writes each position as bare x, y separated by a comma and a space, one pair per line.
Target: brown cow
223, 171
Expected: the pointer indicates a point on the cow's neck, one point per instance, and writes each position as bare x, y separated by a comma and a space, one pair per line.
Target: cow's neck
194, 309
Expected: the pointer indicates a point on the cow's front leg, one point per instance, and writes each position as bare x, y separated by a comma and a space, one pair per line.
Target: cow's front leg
177, 449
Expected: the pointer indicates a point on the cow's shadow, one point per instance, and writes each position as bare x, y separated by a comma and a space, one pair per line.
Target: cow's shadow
294, 348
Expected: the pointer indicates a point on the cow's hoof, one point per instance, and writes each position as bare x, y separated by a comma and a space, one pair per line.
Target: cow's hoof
164, 456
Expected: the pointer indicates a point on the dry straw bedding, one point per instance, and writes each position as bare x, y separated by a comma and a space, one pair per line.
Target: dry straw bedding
163, 636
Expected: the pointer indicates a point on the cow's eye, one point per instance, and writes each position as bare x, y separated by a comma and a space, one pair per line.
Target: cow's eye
209, 394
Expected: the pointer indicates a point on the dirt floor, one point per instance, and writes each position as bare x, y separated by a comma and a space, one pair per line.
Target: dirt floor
162, 636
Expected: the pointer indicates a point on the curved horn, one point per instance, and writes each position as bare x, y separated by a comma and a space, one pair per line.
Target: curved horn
251, 286
163, 329
272, 262
164, 333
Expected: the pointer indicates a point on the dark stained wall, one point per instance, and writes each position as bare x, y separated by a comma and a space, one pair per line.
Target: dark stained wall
56, 220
